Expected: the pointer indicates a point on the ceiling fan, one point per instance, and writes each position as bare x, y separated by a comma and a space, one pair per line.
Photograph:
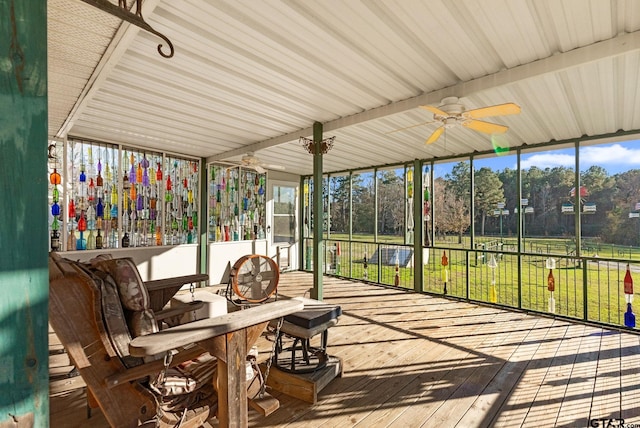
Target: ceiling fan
250, 160
451, 113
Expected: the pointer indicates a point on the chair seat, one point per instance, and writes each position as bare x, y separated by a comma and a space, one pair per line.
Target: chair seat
315, 318
314, 314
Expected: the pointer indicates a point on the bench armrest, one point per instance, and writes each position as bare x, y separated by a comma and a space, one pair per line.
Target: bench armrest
160, 284
162, 290
151, 368
198, 331
178, 310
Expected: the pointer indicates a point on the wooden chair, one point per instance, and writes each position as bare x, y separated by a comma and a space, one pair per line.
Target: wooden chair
121, 390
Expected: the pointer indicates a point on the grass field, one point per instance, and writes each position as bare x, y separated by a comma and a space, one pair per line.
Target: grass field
598, 274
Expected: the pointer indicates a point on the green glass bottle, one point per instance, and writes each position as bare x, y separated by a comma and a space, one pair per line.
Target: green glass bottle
99, 241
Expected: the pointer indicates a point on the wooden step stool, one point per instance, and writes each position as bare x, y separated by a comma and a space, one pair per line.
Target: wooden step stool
305, 377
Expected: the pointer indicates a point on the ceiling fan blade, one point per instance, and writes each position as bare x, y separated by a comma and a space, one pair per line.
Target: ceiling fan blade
497, 110
435, 110
271, 166
436, 134
486, 127
259, 169
409, 127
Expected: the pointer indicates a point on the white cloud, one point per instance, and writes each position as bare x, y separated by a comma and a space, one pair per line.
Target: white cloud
613, 158
613, 154
548, 160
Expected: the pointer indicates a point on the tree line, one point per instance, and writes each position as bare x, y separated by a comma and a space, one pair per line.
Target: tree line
548, 192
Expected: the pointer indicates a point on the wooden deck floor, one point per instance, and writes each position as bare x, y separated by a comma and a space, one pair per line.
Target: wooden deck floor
412, 360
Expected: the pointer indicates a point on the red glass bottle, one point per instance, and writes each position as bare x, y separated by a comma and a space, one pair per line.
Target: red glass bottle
92, 190
82, 222
72, 209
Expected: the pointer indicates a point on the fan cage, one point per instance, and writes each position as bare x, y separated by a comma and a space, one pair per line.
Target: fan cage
251, 271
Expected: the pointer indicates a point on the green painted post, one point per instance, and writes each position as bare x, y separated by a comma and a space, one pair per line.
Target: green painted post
24, 273
472, 231
520, 235
301, 237
418, 222
318, 244
203, 218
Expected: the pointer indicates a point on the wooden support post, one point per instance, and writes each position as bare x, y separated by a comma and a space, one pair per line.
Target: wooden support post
232, 382
24, 282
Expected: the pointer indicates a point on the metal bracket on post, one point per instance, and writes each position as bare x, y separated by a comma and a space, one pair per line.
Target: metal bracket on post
136, 19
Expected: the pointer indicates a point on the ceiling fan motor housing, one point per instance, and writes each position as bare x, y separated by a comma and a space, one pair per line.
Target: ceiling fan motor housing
452, 106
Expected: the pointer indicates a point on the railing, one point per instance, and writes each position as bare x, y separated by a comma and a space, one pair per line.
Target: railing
584, 288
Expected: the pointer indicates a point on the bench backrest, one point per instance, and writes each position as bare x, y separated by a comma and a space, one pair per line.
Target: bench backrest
76, 315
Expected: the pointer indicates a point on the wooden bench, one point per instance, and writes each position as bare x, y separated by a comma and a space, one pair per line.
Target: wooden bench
76, 315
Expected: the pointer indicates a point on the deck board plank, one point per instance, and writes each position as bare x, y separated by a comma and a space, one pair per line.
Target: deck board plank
630, 377
576, 403
414, 360
606, 396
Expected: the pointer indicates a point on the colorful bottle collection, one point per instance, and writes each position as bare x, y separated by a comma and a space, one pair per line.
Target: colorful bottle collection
237, 203
55, 179
114, 198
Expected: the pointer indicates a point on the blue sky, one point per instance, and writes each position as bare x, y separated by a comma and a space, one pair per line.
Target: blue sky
614, 158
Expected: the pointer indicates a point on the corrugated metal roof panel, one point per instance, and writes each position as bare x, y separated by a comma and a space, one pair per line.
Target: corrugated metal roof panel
247, 75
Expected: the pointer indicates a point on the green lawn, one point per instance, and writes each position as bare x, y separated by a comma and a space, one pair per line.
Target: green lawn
602, 281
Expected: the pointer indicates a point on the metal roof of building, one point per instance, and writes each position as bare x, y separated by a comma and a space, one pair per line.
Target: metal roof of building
255, 76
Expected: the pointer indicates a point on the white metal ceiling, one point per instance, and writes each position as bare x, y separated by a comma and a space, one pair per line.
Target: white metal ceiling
255, 76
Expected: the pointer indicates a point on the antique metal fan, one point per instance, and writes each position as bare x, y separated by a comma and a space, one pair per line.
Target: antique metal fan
254, 278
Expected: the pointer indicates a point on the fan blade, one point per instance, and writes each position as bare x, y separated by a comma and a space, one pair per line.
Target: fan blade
259, 169
255, 269
436, 134
244, 278
268, 275
409, 127
272, 166
486, 127
497, 110
435, 110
